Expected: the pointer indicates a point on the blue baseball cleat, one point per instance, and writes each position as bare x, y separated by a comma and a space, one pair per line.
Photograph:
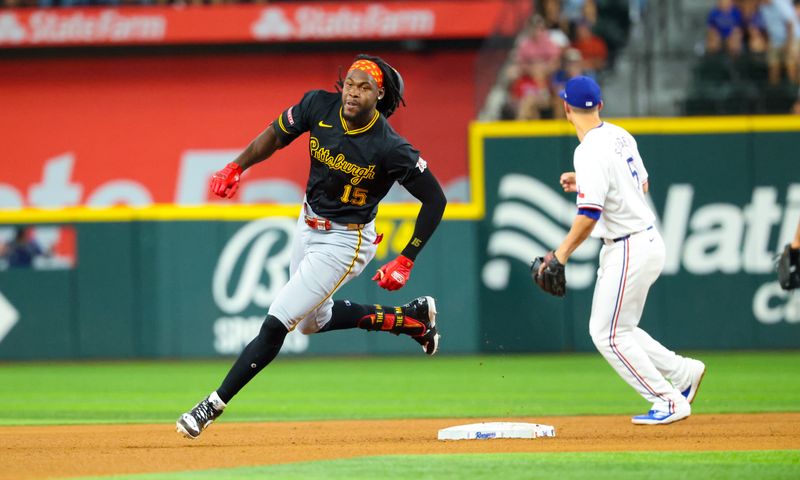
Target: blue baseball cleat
658, 417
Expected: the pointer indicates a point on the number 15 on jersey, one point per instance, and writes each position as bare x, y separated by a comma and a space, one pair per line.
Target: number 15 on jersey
354, 195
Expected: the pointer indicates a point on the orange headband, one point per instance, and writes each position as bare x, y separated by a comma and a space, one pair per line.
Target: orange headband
371, 68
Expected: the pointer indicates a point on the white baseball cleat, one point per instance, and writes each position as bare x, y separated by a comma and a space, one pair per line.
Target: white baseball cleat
697, 371
192, 423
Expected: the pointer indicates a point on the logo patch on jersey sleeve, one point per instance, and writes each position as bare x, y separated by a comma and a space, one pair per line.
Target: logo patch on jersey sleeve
422, 165
289, 115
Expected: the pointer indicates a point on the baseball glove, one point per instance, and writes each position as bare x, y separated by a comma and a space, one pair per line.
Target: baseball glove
788, 267
548, 273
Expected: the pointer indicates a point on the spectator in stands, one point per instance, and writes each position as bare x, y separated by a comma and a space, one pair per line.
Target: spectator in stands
560, 38
536, 57
565, 39
531, 94
713, 43
755, 35
724, 27
589, 12
552, 14
783, 32
756, 40
522, 82
572, 10
21, 251
734, 44
592, 48
577, 11
571, 66
537, 46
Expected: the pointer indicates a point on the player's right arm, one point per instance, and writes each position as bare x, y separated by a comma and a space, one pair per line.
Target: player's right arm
261, 148
289, 125
225, 182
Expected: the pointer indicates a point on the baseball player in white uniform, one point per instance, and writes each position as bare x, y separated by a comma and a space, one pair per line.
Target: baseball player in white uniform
611, 182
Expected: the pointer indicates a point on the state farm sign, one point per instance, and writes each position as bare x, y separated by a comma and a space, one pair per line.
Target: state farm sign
219, 24
317, 23
106, 26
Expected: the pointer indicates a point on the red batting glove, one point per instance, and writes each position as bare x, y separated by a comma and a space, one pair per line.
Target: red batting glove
225, 182
395, 274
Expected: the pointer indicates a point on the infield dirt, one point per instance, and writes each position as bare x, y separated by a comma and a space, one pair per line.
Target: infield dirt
68, 451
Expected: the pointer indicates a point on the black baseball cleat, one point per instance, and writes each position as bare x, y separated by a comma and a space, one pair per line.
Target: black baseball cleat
423, 309
191, 424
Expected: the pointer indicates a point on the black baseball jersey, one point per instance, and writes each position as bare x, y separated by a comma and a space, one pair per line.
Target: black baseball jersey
351, 170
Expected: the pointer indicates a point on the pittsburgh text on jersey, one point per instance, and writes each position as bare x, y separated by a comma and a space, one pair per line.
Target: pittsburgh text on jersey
340, 163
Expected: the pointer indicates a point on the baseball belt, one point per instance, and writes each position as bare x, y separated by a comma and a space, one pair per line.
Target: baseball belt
319, 223
612, 241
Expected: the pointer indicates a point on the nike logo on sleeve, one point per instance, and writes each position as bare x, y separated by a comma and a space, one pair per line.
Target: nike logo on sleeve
325, 125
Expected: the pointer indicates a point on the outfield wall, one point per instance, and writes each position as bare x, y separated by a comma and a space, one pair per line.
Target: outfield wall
727, 195
164, 281
201, 288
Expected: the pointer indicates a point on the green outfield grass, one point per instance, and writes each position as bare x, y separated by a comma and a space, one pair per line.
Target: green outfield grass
561, 466
327, 388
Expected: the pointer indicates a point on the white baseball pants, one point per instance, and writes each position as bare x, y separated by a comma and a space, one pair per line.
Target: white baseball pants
627, 270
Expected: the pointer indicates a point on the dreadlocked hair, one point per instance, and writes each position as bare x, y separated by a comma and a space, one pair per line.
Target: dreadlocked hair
392, 85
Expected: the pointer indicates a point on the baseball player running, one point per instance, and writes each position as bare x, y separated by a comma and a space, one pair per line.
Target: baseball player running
611, 183
356, 156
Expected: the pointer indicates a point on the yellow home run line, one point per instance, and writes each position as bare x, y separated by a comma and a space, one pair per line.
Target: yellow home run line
645, 126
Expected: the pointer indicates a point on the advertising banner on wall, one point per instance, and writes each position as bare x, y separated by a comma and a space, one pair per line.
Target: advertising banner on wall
144, 131
203, 289
281, 22
727, 196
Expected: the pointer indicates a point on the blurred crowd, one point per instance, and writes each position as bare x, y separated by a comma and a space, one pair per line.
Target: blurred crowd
114, 3
751, 61
566, 38
122, 3
768, 28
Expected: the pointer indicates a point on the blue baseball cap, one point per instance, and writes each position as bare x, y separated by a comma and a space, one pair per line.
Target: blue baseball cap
582, 92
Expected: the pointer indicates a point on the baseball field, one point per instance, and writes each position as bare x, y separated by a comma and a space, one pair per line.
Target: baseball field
378, 417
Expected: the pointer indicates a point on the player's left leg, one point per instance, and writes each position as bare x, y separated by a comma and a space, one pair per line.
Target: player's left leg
416, 319
255, 356
265, 346
627, 269
683, 372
